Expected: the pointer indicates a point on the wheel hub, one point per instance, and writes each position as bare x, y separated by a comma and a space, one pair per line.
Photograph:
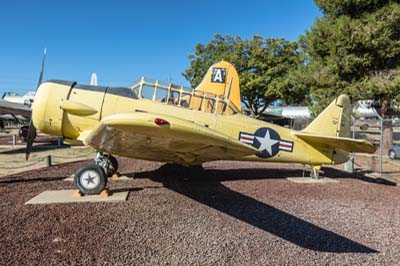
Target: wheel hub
90, 179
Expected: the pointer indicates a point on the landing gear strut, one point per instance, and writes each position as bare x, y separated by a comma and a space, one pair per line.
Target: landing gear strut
315, 171
92, 178
107, 162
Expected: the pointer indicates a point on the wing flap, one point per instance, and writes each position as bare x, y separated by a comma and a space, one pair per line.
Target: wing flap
137, 135
347, 144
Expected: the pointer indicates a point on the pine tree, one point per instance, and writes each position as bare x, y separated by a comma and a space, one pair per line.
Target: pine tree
268, 68
354, 48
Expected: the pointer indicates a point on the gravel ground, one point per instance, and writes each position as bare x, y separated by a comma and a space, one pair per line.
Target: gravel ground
232, 213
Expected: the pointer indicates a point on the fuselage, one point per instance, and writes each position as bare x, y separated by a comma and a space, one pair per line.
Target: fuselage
67, 109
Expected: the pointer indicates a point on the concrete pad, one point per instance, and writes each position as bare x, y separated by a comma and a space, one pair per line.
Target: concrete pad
123, 177
309, 180
12, 146
67, 196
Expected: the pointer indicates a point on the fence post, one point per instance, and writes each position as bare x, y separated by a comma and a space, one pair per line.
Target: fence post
14, 140
380, 148
48, 160
349, 165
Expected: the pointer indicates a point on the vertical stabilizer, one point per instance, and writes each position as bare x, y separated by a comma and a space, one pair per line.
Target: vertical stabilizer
222, 79
93, 79
335, 120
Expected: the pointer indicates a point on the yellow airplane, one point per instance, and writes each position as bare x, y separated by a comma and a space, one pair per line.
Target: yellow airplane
168, 123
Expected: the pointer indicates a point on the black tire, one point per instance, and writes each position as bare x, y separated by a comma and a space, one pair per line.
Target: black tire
392, 154
23, 133
90, 179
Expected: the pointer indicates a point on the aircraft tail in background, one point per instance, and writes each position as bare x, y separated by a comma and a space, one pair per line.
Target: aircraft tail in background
93, 79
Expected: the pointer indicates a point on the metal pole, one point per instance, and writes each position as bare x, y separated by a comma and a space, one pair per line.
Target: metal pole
380, 143
349, 165
381, 147
354, 136
14, 140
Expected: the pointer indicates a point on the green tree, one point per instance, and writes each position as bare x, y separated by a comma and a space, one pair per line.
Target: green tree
354, 48
268, 68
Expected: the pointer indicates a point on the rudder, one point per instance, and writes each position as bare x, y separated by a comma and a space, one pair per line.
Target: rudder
222, 79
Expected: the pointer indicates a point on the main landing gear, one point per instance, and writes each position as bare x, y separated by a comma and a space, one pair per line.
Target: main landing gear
92, 178
315, 171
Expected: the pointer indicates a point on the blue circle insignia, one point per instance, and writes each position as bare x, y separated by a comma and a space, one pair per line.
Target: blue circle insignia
266, 140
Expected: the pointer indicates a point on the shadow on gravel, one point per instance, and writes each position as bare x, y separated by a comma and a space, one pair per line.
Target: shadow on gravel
204, 186
335, 173
30, 180
35, 148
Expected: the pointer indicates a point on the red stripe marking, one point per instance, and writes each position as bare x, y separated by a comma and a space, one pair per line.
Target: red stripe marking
285, 145
247, 138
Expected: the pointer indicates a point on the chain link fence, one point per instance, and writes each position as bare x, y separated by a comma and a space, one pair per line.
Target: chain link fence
384, 134
49, 160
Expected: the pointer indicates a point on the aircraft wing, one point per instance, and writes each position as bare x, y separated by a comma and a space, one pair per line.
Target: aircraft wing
347, 144
137, 135
7, 107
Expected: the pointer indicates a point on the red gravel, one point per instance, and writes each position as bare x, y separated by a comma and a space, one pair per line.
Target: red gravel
232, 214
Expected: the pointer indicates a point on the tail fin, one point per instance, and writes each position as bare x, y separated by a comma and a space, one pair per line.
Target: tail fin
93, 79
335, 120
222, 79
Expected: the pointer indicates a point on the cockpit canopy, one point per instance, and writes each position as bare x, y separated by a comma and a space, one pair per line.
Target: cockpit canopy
180, 96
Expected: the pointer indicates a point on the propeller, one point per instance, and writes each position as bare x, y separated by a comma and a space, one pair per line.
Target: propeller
32, 129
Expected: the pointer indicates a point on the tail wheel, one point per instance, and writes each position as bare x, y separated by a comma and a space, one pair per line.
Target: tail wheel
90, 179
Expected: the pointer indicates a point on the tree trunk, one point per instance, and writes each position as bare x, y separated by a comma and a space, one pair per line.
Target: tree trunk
387, 136
387, 129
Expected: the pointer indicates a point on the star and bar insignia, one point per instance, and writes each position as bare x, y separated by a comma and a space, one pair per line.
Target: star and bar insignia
267, 141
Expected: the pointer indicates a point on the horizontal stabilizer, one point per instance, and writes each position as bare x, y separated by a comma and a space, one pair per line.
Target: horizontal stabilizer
346, 144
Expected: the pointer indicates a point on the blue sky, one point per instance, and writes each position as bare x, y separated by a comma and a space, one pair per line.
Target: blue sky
123, 40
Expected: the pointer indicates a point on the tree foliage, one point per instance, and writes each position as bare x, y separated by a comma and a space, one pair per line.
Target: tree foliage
354, 48
268, 68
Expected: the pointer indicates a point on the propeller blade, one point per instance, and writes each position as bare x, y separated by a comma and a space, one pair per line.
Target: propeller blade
32, 129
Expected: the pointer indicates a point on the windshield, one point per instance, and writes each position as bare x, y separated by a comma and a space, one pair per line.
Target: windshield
180, 96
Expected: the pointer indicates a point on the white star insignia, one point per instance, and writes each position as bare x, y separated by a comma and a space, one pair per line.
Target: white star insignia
266, 143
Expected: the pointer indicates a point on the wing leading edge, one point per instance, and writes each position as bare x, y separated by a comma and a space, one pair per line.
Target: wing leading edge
137, 135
